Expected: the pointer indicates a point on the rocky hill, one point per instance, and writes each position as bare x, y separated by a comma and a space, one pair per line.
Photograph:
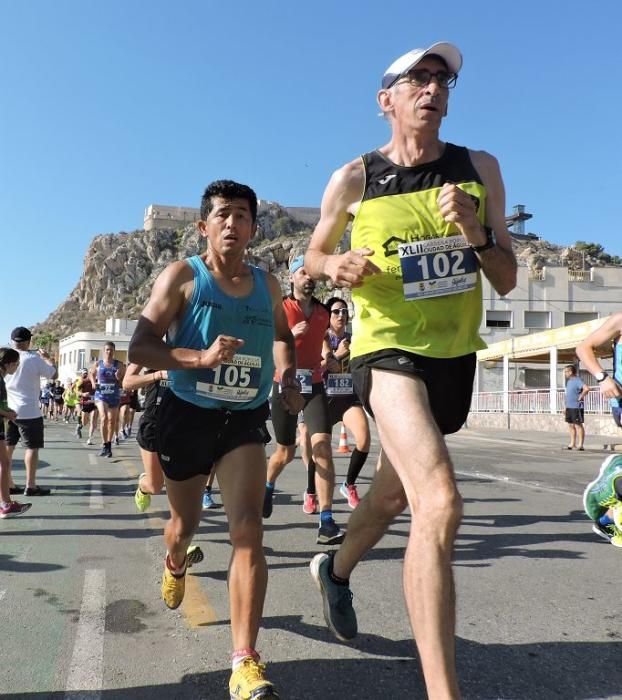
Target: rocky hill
119, 269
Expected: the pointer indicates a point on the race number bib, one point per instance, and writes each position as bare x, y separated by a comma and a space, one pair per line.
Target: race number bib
304, 377
339, 384
237, 381
107, 389
437, 267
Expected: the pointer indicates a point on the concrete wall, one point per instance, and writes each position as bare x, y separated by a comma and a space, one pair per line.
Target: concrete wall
541, 422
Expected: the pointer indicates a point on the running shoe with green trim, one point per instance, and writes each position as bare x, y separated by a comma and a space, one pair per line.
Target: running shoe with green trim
142, 500
600, 494
173, 588
248, 682
617, 515
608, 532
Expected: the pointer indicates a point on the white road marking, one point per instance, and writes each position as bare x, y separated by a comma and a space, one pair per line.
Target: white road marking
97, 497
92, 459
515, 482
2, 594
85, 677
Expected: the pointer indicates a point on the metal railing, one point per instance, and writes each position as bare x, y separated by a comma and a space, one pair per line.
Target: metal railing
534, 401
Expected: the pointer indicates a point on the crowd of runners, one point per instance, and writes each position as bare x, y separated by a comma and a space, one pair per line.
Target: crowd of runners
218, 351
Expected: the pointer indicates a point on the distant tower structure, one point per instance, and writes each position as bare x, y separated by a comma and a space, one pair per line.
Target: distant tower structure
516, 220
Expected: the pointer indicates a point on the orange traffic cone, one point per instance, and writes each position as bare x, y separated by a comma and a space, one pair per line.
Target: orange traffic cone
343, 441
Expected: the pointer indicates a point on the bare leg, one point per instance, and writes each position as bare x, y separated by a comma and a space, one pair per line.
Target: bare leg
185, 500
9, 451
5, 495
324, 469
31, 460
355, 421
280, 458
580, 436
241, 476
417, 451
153, 478
571, 430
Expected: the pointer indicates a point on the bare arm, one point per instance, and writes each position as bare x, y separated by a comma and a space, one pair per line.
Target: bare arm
166, 304
342, 195
284, 351
133, 378
456, 206
584, 392
610, 330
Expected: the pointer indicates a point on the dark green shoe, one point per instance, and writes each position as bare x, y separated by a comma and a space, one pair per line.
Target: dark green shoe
338, 611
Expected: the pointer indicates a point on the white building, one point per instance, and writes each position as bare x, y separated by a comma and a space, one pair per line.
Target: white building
544, 299
83, 348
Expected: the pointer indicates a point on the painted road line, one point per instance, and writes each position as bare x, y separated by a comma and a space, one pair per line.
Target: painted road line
196, 608
92, 459
516, 482
2, 594
85, 677
96, 500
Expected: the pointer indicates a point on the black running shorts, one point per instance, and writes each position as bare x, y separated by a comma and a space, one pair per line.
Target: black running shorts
315, 414
30, 430
147, 432
87, 407
449, 381
192, 439
574, 416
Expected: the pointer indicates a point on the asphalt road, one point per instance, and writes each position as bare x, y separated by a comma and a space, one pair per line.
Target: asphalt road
538, 593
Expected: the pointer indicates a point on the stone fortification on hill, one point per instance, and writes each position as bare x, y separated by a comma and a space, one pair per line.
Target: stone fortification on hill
119, 269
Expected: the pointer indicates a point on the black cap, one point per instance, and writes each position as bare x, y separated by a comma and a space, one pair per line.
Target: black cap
21, 334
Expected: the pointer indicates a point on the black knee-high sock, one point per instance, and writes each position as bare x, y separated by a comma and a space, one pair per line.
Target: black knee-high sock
357, 460
311, 476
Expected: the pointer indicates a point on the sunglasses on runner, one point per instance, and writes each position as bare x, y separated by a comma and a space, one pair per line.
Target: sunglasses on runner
339, 312
421, 77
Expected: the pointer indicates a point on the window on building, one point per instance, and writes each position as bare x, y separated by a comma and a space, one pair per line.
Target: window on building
537, 319
498, 319
537, 378
571, 317
81, 359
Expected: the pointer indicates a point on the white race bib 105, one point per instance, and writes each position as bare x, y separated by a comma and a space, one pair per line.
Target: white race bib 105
236, 381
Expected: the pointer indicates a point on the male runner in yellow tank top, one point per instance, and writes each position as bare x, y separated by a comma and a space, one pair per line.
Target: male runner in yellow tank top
426, 216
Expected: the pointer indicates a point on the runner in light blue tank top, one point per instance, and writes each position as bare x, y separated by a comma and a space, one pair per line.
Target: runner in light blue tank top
245, 382
218, 327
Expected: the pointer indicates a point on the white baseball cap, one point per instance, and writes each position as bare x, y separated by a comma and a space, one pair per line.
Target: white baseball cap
448, 52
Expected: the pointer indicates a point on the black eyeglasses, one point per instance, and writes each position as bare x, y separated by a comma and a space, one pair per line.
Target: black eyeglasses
421, 77
339, 312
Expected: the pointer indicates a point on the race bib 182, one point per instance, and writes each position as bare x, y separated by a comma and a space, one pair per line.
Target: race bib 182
437, 267
339, 384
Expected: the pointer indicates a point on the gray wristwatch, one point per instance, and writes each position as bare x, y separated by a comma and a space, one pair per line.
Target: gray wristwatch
600, 377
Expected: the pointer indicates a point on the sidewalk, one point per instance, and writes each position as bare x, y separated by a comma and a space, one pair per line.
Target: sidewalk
549, 438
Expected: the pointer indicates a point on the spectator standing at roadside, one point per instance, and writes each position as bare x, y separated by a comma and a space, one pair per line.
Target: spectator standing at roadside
23, 397
9, 362
576, 390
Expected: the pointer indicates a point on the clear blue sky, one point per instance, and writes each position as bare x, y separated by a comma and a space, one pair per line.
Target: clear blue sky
108, 107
